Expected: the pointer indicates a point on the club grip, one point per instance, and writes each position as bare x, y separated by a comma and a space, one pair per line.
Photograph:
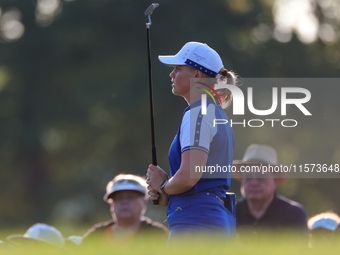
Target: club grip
154, 162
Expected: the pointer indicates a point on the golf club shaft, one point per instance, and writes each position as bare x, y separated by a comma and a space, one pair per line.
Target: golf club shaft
153, 142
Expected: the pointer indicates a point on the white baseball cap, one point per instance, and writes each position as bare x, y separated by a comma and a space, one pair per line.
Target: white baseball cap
39, 232
125, 182
329, 224
197, 55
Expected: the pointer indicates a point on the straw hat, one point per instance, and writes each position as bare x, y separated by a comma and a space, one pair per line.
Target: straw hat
257, 155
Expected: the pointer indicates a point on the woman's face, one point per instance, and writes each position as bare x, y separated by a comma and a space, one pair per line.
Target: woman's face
180, 78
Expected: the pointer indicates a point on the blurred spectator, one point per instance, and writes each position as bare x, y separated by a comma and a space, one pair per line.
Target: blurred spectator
38, 234
322, 228
127, 197
262, 207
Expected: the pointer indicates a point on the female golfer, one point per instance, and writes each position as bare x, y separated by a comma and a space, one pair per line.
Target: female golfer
201, 149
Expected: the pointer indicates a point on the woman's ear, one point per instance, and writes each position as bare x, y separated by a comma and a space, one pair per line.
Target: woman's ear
198, 74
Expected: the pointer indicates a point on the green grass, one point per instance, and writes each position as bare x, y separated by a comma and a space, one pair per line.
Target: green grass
266, 243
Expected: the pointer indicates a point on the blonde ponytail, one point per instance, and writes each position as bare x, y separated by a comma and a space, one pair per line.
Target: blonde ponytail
227, 77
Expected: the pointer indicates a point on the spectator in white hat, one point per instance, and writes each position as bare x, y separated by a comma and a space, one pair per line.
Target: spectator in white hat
127, 196
322, 228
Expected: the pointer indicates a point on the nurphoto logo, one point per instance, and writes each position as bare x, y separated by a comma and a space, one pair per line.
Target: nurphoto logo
239, 105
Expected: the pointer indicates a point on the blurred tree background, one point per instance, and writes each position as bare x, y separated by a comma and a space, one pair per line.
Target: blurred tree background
74, 95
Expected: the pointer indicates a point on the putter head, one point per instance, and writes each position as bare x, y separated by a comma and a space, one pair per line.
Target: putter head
150, 9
